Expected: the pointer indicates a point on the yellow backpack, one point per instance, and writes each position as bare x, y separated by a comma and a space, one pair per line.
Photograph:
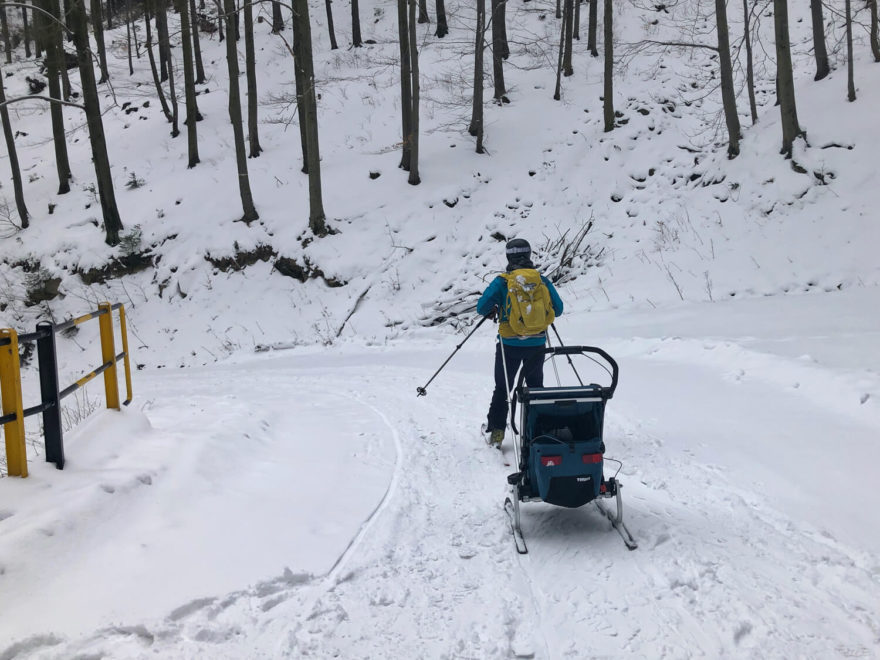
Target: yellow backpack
529, 308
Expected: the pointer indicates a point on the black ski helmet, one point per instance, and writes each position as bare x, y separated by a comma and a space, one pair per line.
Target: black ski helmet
519, 252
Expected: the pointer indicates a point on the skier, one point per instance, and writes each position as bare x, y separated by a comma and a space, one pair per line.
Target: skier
525, 303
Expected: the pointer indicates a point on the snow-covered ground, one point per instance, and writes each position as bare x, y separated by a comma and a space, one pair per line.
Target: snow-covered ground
306, 503
303, 502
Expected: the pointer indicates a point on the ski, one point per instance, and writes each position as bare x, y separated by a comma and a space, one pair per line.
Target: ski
515, 529
617, 524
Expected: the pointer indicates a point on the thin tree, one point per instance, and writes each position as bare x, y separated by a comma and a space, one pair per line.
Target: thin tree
728, 94
149, 46
850, 75
329, 7
819, 50
414, 178
557, 92
251, 69
13, 158
197, 44
300, 82
128, 42
476, 126
165, 53
875, 30
750, 67
568, 31
785, 79
356, 40
189, 85
220, 29
608, 101
4, 29
442, 25
577, 19
423, 12
405, 84
26, 30
498, 50
98, 27
593, 27
244, 186
49, 33
112, 221
161, 16
277, 18
303, 59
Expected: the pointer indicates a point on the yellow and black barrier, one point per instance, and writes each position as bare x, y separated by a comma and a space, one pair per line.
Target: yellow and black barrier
13, 413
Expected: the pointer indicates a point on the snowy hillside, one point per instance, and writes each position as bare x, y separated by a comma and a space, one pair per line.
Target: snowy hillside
302, 502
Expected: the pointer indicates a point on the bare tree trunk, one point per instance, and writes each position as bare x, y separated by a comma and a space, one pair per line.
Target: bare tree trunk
149, 46
165, 49
785, 78
189, 85
277, 18
423, 12
109, 14
23, 215
112, 221
750, 67
244, 186
875, 30
220, 29
251, 68
303, 59
49, 33
197, 45
38, 47
577, 19
300, 81
405, 83
137, 45
593, 27
608, 102
850, 75
476, 125
356, 40
498, 50
442, 25
161, 15
329, 7
557, 92
4, 29
128, 42
568, 32
414, 178
98, 27
728, 94
819, 49
26, 30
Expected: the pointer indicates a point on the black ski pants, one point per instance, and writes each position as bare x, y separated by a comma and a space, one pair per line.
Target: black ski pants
514, 356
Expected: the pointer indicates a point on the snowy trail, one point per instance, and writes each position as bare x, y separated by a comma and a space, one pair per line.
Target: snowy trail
728, 563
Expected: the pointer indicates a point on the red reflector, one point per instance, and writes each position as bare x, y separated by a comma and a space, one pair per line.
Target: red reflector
592, 458
602, 488
550, 461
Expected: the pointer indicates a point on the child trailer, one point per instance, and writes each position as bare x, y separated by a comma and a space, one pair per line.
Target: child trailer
559, 446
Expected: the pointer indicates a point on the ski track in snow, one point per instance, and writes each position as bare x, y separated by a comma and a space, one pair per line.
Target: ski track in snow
432, 572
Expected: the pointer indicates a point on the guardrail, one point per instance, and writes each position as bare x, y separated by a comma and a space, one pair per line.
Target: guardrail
13, 412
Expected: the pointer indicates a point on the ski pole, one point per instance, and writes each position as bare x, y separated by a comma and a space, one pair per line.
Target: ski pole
421, 391
571, 364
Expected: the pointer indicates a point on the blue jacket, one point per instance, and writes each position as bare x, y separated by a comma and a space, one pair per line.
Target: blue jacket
495, 295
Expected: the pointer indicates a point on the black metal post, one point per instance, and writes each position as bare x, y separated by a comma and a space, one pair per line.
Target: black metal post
49, 391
